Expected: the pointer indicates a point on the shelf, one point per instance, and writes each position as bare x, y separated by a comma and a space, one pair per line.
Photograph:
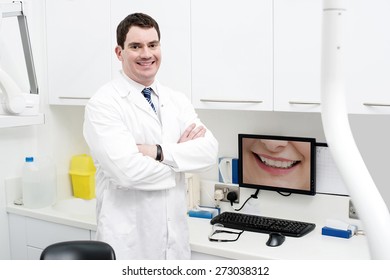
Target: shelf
15, 121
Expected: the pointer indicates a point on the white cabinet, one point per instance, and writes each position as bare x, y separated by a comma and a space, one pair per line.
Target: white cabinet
368, 56
81, 37
29, 236
232, 54
250, 55
78, 49
297, 55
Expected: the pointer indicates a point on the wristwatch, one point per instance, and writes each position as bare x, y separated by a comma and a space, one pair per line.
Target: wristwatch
159, 153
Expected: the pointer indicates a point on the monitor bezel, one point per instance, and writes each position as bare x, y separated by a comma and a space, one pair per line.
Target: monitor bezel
312, 141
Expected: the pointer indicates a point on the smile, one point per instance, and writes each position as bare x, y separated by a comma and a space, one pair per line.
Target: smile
146, 63
283, 164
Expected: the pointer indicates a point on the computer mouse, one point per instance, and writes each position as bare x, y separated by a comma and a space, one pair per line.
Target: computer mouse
275, 239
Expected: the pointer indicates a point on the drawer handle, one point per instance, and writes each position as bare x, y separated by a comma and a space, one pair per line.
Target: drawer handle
74, 97
376, 104
231, 101
304, 103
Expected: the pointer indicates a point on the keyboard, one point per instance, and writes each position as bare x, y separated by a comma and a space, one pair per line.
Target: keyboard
263, 224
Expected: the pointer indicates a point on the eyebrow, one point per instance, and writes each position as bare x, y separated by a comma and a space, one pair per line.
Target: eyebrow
154, 42
139, 44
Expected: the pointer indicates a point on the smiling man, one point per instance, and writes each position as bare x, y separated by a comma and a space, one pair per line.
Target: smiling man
143, 137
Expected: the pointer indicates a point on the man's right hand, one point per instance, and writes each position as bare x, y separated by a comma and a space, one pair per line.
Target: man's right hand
192, 132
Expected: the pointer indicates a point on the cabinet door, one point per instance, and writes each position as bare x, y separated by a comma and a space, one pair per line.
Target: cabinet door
297, 55
368, 56
17, 237
41, 234
78, 49
29, 236
232, 54
173, 17
33, 253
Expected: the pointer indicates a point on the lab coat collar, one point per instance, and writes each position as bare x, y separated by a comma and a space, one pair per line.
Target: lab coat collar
131, 90
137, 86
124, 86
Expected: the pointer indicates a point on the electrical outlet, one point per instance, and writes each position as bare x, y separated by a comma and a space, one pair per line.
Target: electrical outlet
226, 189
352, 211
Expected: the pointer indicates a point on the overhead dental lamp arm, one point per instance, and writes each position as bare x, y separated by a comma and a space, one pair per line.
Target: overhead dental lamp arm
369, 203
14, 101
15, 9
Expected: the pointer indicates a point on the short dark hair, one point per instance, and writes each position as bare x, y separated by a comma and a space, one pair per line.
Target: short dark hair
136, 19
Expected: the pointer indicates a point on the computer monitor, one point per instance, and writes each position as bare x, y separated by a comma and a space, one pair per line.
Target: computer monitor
277, 163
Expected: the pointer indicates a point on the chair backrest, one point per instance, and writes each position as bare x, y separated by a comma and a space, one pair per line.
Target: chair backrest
79, 250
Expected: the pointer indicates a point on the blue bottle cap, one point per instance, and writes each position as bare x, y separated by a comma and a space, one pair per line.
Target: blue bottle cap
29, 159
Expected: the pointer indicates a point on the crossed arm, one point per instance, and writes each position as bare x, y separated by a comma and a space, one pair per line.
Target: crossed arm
192, 132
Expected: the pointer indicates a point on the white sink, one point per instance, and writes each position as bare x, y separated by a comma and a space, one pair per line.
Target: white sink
76, 207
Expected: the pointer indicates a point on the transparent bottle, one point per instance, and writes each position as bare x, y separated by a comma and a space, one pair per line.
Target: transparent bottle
39, 183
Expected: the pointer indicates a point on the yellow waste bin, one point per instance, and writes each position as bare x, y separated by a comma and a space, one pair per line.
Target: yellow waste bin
82, 172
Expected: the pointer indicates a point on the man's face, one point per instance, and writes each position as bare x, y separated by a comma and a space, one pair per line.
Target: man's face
141, 56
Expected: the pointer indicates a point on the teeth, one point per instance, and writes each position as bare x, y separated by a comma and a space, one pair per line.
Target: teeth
277, 163
145, 63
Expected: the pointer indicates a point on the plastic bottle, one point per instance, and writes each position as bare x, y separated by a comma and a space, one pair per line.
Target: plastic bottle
39, 183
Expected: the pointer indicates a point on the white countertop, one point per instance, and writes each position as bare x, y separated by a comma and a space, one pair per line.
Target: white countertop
80, 213
251, 245
72, 212
316, 209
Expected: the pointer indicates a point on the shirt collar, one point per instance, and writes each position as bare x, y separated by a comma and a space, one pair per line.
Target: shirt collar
138, 87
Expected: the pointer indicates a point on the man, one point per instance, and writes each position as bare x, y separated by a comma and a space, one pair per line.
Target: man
141, 148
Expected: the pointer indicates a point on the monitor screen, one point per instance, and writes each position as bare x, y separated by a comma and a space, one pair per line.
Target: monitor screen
279, 163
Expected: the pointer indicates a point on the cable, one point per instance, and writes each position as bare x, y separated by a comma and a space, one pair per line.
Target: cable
252, 196
284, 194
231, 196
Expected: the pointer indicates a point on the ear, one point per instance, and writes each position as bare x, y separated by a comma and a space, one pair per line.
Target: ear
118, 52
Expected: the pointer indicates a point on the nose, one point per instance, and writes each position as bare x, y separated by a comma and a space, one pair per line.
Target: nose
146, 53
275, 145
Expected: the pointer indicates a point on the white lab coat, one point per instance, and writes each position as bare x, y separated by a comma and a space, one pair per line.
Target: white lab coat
141, 203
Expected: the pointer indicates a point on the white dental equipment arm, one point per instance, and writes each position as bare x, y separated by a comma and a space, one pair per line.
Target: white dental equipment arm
15, 102
13, 99
369, 203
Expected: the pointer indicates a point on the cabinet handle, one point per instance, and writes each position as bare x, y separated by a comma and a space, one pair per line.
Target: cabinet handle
304, 103
73, 97
376, 104
231, 101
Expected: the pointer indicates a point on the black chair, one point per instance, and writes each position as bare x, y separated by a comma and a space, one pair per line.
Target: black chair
79, 250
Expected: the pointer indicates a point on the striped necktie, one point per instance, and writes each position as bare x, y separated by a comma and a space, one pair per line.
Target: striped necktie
147, 92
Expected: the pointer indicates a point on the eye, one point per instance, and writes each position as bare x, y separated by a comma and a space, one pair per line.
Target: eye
134, 47
154, 45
